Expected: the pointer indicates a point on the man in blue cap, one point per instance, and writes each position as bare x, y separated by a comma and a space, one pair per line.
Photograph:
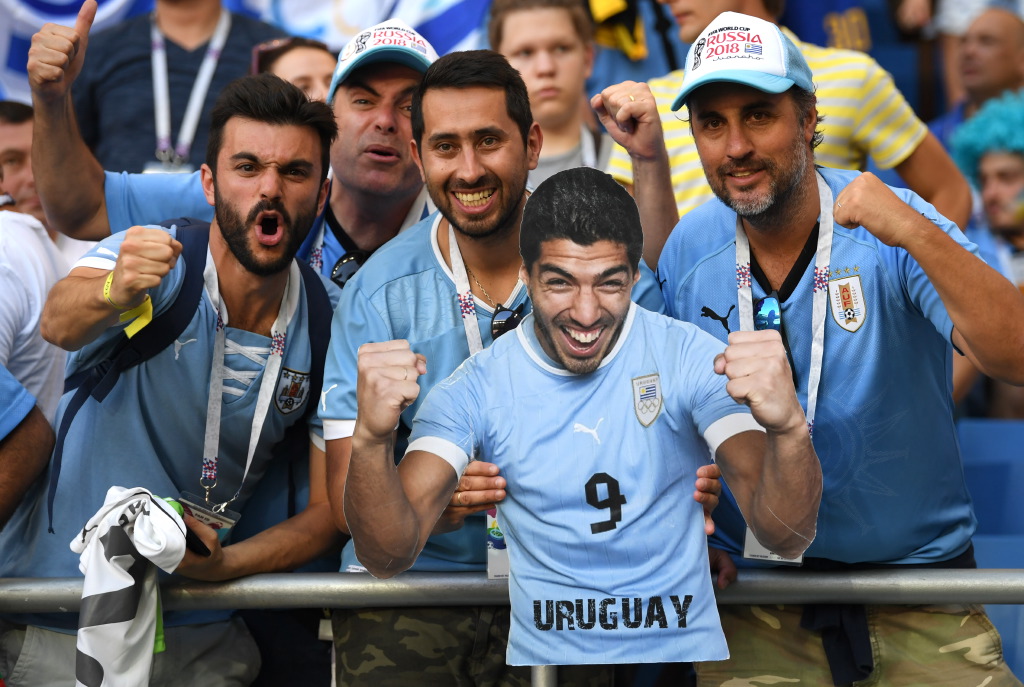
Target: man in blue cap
873, 292
376, 189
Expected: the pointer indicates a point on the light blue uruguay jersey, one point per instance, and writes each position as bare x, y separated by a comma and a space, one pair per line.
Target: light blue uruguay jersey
149, 430
406, 291
15, 403
606, 545
894, 489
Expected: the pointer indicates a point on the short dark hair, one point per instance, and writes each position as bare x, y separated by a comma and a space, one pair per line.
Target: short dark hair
585, 206
269, 99
582, 21
806, 101
265, 54
12, 112
472, 69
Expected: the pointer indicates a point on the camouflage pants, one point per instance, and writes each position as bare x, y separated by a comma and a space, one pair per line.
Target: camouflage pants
911, 645
435, 647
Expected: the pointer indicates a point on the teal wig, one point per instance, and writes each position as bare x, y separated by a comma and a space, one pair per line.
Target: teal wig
997, 127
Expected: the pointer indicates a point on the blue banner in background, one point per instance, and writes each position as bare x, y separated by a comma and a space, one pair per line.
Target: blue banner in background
447, 24
19, 19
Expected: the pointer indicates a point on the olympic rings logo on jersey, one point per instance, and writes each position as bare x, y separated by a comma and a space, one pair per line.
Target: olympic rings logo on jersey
647, 398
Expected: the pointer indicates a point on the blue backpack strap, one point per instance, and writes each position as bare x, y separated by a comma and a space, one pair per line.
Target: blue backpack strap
97, 381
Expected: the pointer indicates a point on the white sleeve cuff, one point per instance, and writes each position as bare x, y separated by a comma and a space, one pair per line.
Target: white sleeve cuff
96, 262
729, 426
339, 429
317, 440
443, 449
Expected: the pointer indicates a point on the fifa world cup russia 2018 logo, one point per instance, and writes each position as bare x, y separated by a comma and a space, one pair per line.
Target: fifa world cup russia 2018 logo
696, 52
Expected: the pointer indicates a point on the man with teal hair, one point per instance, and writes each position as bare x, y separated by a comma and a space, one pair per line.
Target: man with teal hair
989, 148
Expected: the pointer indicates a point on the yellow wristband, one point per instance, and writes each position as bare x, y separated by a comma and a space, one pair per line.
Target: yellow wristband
139, 316
106, 292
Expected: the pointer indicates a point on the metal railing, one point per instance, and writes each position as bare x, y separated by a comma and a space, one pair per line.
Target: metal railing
349, 590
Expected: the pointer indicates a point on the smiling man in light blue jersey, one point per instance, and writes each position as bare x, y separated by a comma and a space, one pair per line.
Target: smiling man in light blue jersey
873, 292
246, 337
598, 414
375, 192
448, 285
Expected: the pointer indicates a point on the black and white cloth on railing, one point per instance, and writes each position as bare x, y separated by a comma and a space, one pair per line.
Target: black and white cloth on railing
121, 547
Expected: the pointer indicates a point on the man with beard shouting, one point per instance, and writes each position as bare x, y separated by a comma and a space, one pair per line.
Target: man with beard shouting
248, 342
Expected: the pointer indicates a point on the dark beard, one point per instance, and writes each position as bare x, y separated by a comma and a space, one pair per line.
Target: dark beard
236, 234
506, 217
577, 366
782, 191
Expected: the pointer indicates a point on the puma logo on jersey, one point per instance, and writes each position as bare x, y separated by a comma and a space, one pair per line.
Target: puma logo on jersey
178, 345
577, 427
705, 311
323, 396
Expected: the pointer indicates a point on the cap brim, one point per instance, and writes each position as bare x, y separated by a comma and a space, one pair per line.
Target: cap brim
393, 55
769, 83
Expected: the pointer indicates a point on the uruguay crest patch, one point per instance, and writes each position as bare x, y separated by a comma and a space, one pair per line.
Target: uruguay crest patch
846, 296
647, 398
292, 389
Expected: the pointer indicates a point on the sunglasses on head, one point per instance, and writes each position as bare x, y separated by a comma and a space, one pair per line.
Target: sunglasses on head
505, 320
348, 265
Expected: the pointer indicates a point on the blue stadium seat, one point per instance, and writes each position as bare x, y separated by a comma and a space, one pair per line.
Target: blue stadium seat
993, 454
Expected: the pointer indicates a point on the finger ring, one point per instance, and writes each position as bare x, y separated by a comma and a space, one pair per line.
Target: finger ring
632, 99
458, 497
406, 377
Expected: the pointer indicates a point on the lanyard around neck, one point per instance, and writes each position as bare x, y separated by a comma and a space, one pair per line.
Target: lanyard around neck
467, 304
161, 91
822, 257
219, 372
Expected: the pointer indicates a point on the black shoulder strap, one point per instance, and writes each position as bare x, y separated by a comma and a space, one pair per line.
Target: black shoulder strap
319, 313
97, 381
318, 319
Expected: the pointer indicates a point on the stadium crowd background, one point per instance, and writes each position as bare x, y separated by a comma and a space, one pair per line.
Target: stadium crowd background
917, 42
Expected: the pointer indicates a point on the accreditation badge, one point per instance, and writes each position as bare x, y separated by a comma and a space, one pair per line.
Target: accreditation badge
846, 298
647, 398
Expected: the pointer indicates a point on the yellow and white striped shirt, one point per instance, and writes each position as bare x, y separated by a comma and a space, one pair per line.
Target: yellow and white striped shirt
865, 115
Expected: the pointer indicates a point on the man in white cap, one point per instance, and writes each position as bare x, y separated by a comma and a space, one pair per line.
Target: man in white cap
376, 189
865, 117
873, 291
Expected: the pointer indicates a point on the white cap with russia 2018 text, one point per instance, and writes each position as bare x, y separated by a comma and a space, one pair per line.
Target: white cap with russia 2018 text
390, 41
738, 48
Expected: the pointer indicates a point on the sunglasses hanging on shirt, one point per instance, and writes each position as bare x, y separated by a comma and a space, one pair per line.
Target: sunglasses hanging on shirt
505, 320
348, 265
